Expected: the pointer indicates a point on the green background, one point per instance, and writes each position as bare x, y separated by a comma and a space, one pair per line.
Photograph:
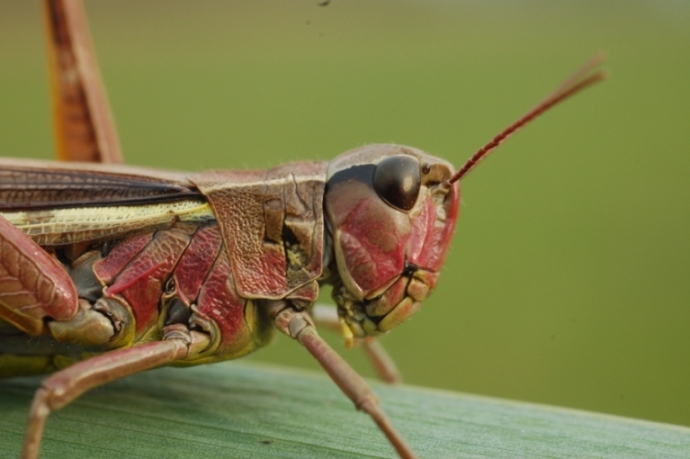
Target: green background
568, 281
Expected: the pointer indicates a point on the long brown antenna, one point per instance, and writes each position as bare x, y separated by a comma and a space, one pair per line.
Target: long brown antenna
572, 85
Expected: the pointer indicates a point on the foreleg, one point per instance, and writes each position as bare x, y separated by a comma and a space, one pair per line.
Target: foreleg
387, 370
299, 325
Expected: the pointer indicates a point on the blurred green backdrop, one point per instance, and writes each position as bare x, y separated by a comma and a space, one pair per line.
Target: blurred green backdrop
568, 282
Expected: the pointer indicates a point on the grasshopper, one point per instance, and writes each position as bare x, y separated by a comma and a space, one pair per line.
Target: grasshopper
113, 270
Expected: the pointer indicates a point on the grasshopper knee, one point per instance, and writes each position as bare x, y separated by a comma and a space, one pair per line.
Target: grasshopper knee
103, 323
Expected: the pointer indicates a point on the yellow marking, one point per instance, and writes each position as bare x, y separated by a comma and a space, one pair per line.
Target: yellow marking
347, 334
23, 365
72, 225
294, 258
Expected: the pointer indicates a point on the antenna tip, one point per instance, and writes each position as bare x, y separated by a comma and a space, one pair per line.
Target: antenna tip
581, 79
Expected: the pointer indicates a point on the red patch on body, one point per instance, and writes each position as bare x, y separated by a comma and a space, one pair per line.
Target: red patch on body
141, 283
219, 301
429, 242
373, 245
196, 262
124, 252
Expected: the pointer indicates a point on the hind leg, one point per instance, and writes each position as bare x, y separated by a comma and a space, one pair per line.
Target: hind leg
34, 287
83, 122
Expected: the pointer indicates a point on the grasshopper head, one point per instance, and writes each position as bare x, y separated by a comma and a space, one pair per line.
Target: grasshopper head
391, 212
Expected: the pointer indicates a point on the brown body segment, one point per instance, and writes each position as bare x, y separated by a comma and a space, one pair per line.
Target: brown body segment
35, 185
272, 225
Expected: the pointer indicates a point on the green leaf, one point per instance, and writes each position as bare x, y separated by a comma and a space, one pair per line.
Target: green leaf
250, 411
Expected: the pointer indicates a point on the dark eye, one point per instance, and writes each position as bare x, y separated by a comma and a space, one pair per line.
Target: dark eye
397, 181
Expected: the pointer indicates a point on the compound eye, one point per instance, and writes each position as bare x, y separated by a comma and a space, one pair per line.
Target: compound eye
397, 181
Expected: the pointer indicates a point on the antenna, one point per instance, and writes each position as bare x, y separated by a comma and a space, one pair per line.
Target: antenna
572, 85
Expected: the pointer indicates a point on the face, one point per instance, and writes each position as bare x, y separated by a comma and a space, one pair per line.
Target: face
391, 217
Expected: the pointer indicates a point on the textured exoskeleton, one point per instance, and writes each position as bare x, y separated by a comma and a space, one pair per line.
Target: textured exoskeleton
108, 270
141, 252
219, 257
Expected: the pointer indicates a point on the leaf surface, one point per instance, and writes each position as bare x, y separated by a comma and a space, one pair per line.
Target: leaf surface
250, 411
